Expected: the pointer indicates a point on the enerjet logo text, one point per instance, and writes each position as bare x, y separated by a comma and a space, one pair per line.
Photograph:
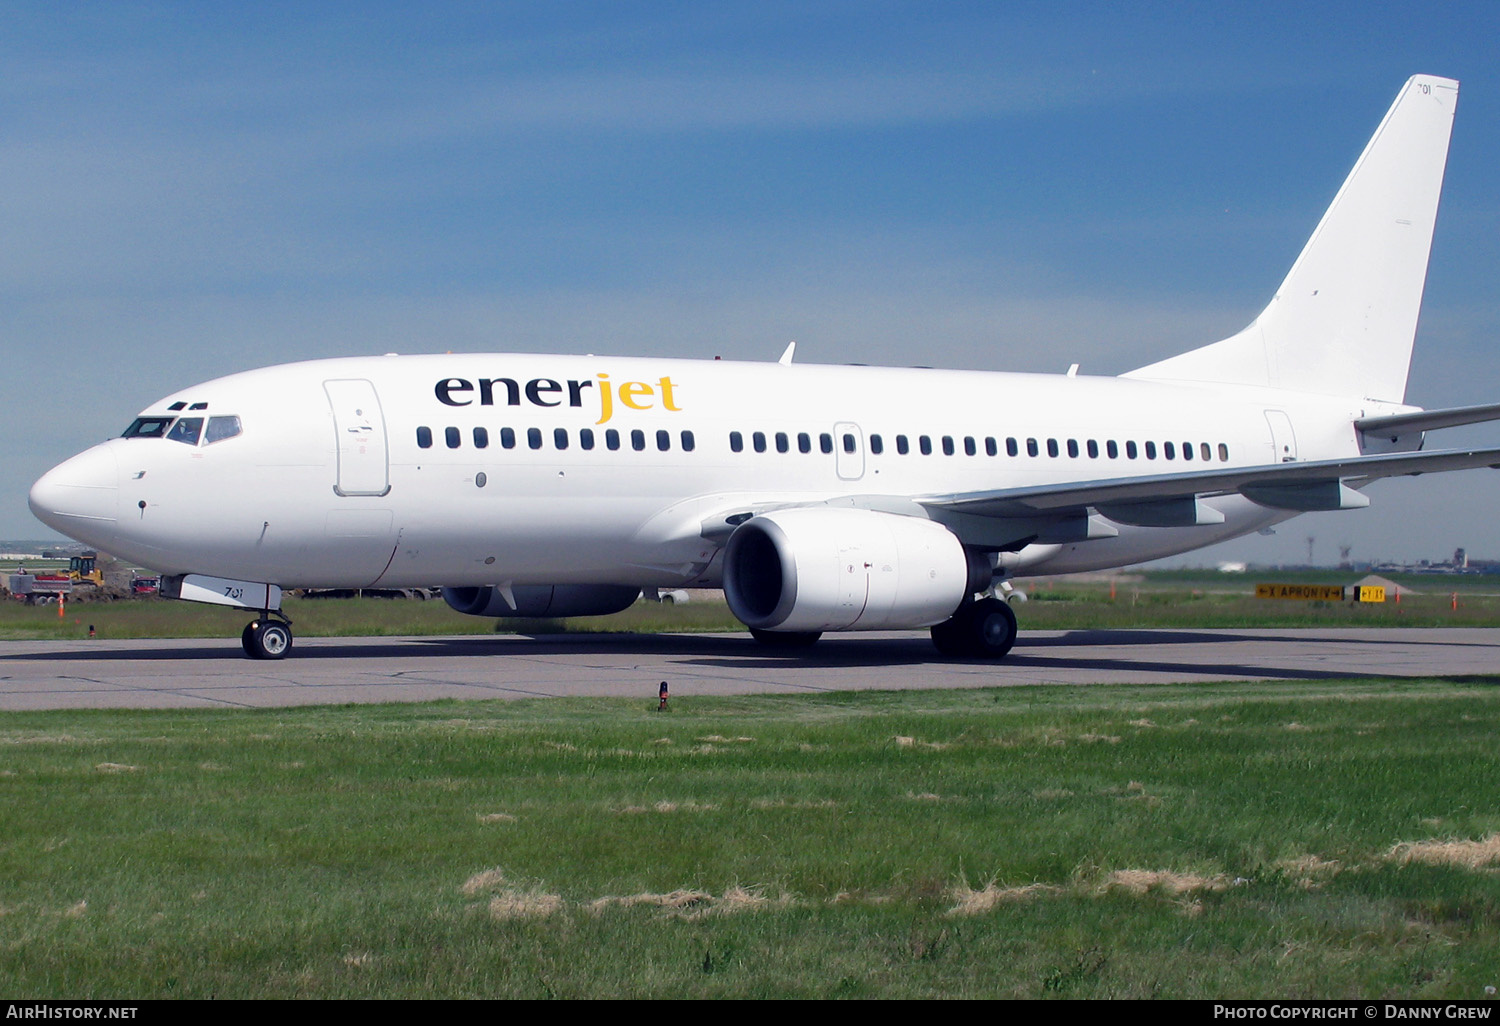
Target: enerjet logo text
602, 393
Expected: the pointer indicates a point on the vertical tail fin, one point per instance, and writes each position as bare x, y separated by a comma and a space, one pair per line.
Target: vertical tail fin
1344, 320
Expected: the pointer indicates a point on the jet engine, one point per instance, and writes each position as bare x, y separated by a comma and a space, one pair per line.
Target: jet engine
815, 568
542, 599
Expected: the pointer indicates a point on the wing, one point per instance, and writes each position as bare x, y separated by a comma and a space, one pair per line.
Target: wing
1171, 500
1006, 518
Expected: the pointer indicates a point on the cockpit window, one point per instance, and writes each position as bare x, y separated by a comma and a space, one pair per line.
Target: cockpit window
220, 428
148, 427
186, 430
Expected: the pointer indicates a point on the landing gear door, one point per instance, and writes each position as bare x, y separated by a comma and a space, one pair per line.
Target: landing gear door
359, 428
1283, 439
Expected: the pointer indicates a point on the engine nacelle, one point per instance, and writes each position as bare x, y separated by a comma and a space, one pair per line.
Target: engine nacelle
818, 568
543, 600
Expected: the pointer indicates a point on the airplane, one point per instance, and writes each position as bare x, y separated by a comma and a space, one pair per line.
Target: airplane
820, 498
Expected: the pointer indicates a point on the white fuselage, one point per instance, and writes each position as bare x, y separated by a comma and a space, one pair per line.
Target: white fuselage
585, 474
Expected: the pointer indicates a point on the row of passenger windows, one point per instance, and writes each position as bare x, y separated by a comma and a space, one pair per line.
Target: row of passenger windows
950, 446
587, 439
849, 442
804, 442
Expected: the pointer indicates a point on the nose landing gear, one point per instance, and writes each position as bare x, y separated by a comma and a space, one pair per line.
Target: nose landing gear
266, 638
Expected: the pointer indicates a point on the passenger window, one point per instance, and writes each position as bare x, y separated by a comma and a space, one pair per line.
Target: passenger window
758, 440
925, 444
481, 438
877, 446
1011, 448
736, 442
849, 443
1052, 447
186, 430
1093, 449
638, 440
534, 437
1169, 450
1111, 449
1205, 452
424, 438
947, 445
585, 438
220, 428
825, 442
1073, 448
611, 439
687, 441
451, 436
902, 445
804, 442
991, 447
663, 440
1031, 447
560, 437
1223, 453
1150, 450
507, 438
1187, 450
1130, 450
783, 443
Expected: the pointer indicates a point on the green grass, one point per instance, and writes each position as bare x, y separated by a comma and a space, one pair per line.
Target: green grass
1081, 606
1165, 599
831, 840
325, 618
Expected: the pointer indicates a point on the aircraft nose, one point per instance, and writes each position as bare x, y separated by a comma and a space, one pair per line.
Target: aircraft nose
79, 495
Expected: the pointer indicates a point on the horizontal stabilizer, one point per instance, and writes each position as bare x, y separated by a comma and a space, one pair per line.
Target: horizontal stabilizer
1428, 420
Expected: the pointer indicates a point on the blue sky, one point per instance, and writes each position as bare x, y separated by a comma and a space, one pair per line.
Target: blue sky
195, 189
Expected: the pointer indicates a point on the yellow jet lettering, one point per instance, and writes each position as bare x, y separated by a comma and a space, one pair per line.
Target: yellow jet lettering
632, 390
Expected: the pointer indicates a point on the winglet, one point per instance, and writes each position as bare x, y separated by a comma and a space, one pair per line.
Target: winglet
786, 357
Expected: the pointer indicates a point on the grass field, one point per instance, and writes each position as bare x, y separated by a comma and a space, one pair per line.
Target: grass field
1322, 840
1175, 599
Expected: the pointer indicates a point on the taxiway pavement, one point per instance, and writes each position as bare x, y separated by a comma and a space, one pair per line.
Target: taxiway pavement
206, 673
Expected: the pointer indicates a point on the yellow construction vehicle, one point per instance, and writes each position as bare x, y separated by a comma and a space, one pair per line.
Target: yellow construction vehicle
82, 569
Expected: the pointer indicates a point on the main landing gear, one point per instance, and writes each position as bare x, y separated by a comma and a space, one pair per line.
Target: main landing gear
985, 629
266, 638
